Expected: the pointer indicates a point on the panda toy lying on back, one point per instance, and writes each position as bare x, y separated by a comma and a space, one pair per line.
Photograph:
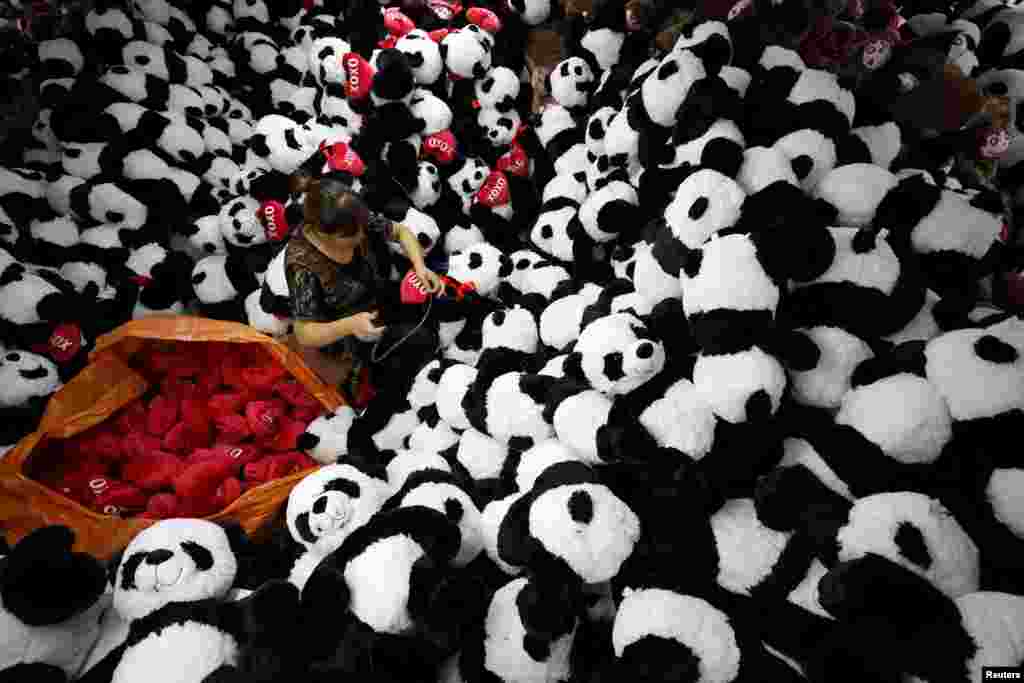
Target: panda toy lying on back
171, 585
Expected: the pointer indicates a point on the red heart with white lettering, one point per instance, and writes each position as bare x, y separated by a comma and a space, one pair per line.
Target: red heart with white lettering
65, 342
396, 22
438, 35
484, 18
441, 147
358, 76
515, 162
445, 10
341, 157
388, 42
274, 222
495, 191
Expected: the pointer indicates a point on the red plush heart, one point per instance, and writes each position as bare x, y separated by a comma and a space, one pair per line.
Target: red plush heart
275, 225
241, 454
199, 481
441, 147
264, 417
341, 157
184, 437
162, 506
131, 418
495, 191
119, 499
358, 76
388, 43
74, 481
515, 161
162, 414
484, 18
262, 378
141, 280
992, 143
287, 435
396, 22
227, 493
100, 443
438, 35
232, 428
65, 342
444, 9
153, 471
226, 404
137, 444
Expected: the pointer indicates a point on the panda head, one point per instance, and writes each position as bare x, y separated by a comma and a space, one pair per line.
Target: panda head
469, 177
441, 491
482, 264
498, 128
326, 438
393, 80
280, 141
156, 11
615, 354
532, 12
423, 227
555, 231
423, 55
222, 174
466, 53
569, 519
240, 224
978, 371
26, 376
511, 328
211, 280
499, 89
571, 82
205, 236
434, 112
839, 353
428, 185
684, 636
175, 560
705, 203
330, 503
916, 532
423, 392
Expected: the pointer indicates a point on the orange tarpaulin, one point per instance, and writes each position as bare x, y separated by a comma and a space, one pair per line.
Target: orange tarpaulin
105, 386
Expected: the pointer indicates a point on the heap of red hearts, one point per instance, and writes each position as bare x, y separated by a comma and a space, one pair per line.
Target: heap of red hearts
219, 419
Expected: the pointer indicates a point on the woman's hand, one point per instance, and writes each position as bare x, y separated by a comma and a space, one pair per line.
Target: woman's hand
364, 326
430, 280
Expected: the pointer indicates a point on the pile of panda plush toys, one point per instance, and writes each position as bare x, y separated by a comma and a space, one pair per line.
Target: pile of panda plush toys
734, 408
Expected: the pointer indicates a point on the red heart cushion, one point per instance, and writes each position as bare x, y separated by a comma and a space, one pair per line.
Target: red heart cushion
341, 157
162, 415
153, 471
397, 23
441, 147
515, 161
358, 76
484, 18
495, 191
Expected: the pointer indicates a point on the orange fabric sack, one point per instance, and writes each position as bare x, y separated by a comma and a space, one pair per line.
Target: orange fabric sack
106, 385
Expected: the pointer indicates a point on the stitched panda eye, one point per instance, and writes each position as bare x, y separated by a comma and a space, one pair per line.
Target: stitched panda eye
142, 59
478, 175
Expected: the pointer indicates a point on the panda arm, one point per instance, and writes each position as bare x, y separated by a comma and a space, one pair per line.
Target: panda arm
103, 671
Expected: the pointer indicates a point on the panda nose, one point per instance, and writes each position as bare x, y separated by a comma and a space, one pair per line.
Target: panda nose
210, 110
320, 506
159, 556
645, 350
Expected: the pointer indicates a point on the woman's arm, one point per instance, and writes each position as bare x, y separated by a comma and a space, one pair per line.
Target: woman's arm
410, 246
317, 335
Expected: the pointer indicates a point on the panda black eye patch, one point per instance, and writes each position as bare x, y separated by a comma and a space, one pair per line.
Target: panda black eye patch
37, 373
202, 557
341, 485
289, 138
128, 569
302, 526
668, 70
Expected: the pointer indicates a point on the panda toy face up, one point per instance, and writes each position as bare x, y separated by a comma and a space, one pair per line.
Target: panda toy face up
329, 504
279, 140
571, 82
239, 223
175, 560
499, 89
25, 376
423, 55
432, 110
325, 60
498, 128
615, 354
428, 186
466, 53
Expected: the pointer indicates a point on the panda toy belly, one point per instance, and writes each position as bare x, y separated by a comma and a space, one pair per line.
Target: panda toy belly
156, 657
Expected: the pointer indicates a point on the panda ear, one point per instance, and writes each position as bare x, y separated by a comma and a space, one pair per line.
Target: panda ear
573, 366
516, 545
795, 349
258, 144
724, 156
692, 259
507, 267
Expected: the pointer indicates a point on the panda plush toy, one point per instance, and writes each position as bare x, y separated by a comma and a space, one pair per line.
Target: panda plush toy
962, 634
389, 597
325, 508
170, 585
615, 354
53, 600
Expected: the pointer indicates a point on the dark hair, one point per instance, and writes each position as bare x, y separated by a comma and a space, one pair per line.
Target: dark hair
332, 208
